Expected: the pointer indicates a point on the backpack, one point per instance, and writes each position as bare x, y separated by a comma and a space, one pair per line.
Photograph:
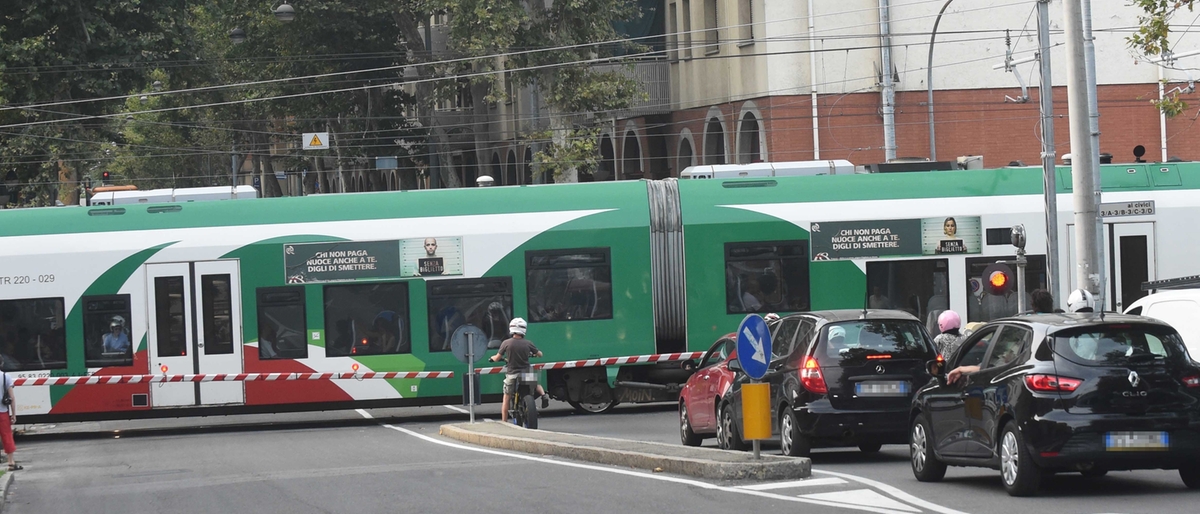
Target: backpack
6, 400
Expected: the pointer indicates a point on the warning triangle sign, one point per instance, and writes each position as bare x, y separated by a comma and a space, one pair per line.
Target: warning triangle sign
316, 141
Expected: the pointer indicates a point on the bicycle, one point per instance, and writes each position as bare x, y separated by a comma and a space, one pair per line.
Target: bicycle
523, 409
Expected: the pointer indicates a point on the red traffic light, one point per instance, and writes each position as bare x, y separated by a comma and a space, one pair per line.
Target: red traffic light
997, 279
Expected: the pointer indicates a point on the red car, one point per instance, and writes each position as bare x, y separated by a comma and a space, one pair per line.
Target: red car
699, 398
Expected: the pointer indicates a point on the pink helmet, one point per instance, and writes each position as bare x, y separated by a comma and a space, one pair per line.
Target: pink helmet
948, 320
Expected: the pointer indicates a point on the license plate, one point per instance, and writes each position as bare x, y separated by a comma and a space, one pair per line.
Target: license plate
881, 388
1136, 441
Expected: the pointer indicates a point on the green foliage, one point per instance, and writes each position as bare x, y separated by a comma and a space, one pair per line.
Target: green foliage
578, 152
1152, 39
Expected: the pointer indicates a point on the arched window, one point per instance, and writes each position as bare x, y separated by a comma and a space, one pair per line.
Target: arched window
529, 165
748, 140
497, 172
685, 155
510, 173
631, 162
608, 160
714, 142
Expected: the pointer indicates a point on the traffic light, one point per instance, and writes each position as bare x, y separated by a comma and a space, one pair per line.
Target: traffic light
998, 279
104, 178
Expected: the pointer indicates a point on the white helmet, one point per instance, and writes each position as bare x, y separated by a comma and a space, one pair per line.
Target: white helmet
771, 316
517, 326
1080, 301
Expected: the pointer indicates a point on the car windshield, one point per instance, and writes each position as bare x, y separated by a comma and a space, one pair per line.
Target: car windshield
1118, 345
862, 340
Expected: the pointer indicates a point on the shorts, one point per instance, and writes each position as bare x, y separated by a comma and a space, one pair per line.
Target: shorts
511, 381
6, 433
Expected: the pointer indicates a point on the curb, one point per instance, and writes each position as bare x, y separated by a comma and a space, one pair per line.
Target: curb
5, 481
697, 462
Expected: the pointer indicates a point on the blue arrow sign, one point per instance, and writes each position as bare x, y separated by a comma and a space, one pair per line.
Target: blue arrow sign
754, 346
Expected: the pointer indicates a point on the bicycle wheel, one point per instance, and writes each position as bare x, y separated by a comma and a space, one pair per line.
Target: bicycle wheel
518, 409
531, 412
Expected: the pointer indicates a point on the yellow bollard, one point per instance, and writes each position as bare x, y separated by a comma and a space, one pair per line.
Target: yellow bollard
756, 411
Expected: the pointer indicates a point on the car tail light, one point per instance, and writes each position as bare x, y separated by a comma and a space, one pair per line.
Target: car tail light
881, 356
1051, 383
811, 378
1192, 381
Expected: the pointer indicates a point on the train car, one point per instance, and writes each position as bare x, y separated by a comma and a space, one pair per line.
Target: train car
220, 307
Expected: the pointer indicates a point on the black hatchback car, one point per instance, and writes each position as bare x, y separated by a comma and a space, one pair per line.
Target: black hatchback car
1052, 393
838, 378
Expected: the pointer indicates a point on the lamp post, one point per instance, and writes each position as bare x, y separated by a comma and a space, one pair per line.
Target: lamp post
929, 82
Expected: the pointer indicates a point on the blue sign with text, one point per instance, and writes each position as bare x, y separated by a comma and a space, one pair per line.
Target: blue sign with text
754, 346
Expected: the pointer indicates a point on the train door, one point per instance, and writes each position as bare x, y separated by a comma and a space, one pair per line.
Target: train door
195, 328
1130, 260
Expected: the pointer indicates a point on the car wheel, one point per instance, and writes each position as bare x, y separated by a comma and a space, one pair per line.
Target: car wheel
592, 408
727, 435
870, 447
1190, 476
925, 464
1020, 475
791, 441
686, 435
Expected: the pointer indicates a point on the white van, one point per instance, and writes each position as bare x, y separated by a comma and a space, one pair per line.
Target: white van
1179, 308
769, 169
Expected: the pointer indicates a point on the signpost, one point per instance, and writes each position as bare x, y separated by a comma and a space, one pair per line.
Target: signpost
754, 355
468, 344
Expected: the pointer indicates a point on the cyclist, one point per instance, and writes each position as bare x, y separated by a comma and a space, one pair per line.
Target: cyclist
516, 351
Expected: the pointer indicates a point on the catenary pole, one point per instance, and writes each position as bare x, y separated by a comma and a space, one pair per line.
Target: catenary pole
1089, 56
1086, 275
1049, 180
889, 87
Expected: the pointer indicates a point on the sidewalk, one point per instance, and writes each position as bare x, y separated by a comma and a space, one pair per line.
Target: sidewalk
707, 463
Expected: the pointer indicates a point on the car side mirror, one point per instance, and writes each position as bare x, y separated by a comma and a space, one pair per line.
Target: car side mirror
937, 368
688, 365
735, 365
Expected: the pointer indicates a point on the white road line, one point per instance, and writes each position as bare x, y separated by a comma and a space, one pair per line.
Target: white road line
364, 413
457, 409
896, 492
795, 483
868, 497
661, 478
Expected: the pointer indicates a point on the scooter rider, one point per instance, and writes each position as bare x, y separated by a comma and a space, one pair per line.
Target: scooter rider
516, 351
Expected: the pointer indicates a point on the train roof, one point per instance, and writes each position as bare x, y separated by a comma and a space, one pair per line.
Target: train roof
621, 195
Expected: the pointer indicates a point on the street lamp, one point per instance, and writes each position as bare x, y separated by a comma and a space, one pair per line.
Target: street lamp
285, 13
238, 36
929, 82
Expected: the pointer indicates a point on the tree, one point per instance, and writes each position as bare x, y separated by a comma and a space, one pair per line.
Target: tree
550, 46
55, 53
1151, 39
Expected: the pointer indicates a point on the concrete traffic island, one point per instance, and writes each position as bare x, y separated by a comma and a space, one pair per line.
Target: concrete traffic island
707, 463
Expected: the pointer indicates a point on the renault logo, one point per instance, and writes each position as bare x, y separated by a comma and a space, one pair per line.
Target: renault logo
879, 369
1134, 379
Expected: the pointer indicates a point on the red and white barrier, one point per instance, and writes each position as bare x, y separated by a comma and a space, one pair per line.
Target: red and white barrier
224, 377
637, 359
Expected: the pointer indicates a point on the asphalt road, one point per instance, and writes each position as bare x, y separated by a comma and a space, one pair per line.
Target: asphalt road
394, 461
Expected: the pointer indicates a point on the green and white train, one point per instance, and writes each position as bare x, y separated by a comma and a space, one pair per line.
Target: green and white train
378, 282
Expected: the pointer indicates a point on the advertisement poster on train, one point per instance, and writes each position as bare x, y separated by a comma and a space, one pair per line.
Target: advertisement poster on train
837, 240
951, 234
340, 261
431, 257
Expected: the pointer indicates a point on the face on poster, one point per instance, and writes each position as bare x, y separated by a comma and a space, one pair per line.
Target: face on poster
431, 257
951, 235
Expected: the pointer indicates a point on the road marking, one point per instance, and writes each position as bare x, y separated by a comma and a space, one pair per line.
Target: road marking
867, 497
795, 483
364, 413
663, 478
457, 409
894, 491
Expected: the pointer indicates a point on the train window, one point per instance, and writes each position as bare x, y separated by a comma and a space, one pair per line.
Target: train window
32, 332
569, 284
919, 287
107, 338
485, 303
281, 325
766, 277
366, 319
217, 304
169, 315
982, 306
